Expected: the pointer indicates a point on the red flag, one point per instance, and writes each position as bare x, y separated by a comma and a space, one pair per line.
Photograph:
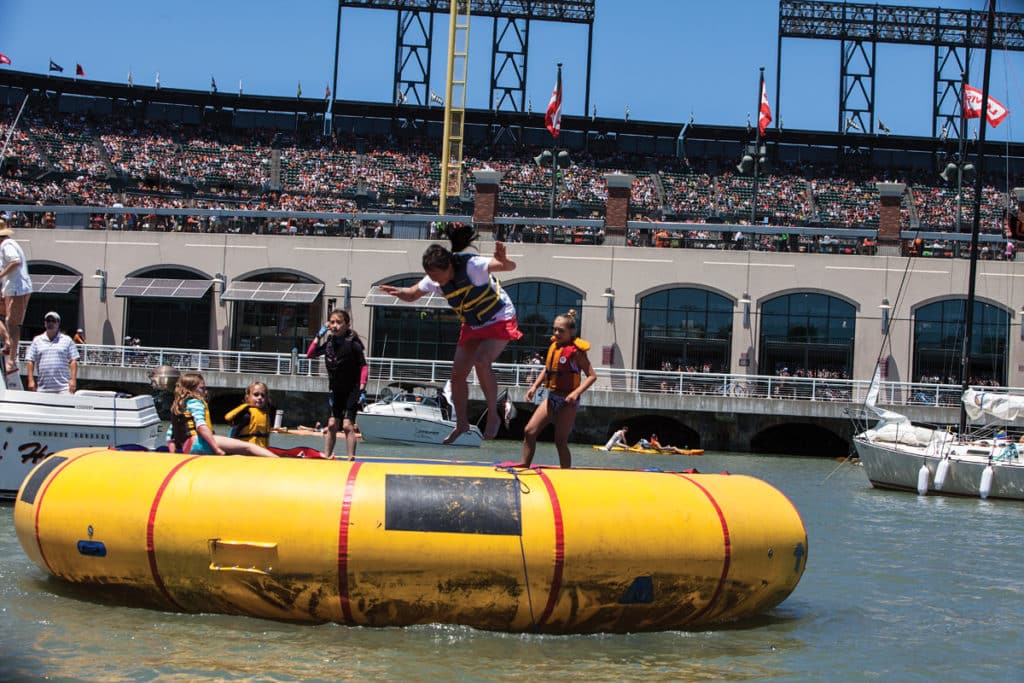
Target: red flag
553, 116
972, 107
4, 59
764, 116
79, 71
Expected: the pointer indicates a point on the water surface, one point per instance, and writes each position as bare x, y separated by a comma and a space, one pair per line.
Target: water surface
897, 588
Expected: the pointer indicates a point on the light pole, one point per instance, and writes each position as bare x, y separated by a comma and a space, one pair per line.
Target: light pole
959, 165
553, 159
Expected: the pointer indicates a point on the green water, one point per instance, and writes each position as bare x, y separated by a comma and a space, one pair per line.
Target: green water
897, 588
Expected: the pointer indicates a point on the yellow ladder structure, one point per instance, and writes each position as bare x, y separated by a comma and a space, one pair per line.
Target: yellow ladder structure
454, 103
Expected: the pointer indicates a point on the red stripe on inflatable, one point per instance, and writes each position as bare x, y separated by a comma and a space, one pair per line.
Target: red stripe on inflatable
726, 547
150, 528
346, 512
559, 568
39, 505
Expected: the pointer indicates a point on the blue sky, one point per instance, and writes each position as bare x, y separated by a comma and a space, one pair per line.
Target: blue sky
662, 58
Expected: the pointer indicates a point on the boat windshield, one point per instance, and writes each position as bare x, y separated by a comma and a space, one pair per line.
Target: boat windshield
415, 398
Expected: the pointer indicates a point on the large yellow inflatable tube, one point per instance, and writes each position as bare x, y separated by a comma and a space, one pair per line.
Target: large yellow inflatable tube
382, 542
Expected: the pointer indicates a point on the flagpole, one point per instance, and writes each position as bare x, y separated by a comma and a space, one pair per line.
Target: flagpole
554, 155
757, 149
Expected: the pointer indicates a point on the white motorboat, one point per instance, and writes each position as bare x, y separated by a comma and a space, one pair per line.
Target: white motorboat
897, 454
413, 414
35, 425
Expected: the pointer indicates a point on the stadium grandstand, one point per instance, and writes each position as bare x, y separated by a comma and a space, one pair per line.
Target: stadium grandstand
110, 157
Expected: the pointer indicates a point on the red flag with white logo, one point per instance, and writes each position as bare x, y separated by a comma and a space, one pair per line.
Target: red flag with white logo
995, 113
553, 116
764, 116
4, 59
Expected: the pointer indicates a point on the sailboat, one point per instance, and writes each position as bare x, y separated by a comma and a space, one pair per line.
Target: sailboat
980, 461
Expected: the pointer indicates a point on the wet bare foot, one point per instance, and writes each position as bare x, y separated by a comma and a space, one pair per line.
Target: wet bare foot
456, 433
327, 457
491, 431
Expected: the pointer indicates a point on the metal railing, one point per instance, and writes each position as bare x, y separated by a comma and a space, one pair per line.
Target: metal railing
654, 382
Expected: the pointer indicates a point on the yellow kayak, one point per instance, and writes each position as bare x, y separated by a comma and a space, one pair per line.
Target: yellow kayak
666, 450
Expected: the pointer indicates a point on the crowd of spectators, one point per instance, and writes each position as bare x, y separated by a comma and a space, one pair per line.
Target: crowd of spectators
75, 159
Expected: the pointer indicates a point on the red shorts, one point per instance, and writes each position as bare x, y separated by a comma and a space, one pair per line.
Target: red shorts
506, 330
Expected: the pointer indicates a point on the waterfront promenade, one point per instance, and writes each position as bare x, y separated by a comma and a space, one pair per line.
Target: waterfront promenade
714, 411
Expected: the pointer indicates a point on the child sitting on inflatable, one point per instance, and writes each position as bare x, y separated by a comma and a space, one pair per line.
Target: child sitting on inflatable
190, 430
250, 421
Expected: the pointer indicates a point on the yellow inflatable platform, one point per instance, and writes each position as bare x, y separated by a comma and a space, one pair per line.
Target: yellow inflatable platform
392, 542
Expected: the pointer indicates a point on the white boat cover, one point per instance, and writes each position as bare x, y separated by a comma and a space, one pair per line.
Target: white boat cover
1002, 406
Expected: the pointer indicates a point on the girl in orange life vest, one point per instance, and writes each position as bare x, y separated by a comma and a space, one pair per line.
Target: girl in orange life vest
566, 359
487, 313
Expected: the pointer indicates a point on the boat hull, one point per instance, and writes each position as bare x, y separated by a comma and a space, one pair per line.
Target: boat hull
35, 425
898, 467
397, 542
413, 429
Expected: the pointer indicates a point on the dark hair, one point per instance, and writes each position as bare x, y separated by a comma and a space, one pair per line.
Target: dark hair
461, 236
347, 317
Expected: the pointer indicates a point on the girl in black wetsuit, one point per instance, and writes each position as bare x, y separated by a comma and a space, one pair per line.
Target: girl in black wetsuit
347, 372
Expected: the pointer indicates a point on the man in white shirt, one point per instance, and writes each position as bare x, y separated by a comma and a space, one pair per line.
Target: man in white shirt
16, 287
56, 357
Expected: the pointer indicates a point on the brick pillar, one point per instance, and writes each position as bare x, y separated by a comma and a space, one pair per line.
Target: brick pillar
620, 187
890, 197
485, 206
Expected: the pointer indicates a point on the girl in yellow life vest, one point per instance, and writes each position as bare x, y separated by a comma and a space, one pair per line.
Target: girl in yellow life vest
566, 361
249, 421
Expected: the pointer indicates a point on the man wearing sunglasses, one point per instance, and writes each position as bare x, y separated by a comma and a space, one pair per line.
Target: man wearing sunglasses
56, 357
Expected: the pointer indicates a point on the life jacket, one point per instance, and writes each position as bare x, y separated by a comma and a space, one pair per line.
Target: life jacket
344, 358
183, 427
563, 374
474, 304
249, 423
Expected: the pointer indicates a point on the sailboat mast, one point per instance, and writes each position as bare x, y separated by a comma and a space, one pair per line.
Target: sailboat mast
965, 359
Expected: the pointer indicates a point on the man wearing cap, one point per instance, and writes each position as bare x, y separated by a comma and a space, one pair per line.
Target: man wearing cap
16, 286
56, 357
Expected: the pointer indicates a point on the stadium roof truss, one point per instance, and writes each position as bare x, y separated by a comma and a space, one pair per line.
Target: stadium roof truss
509, 45
859, 28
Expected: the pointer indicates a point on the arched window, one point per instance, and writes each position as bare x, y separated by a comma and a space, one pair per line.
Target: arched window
537, 303
686, 328
432, 333
172, 322
938, 342
275, 319
807, 333
414, 332
54, 288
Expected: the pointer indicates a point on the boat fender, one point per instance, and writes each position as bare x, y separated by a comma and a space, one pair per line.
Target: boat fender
940, 473
986, 482
922, 480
